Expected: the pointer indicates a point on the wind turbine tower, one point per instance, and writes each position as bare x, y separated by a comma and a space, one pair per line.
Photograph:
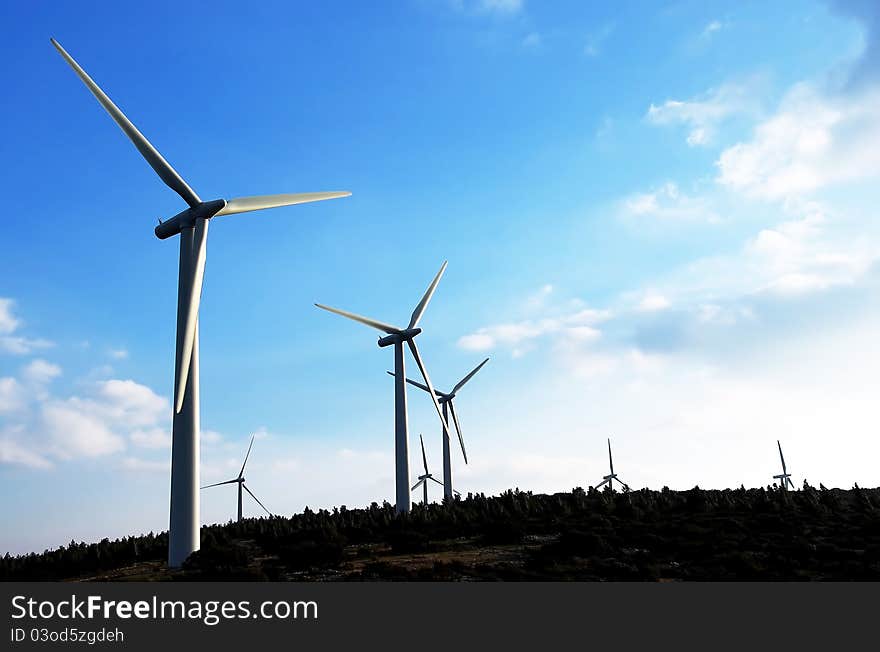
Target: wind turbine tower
423, 479
784, 477
192, 226
397, 337
239, 480
446, 401
612, 476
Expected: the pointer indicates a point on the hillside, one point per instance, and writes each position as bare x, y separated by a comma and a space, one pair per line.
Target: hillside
750, 534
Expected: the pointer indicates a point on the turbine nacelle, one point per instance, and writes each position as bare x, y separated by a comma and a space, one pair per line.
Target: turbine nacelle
403, 336
186, 219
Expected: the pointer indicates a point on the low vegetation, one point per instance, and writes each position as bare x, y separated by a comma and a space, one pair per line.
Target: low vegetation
732, 534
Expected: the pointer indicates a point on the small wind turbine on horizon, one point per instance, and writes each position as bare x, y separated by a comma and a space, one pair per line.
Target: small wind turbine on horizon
192, 225
397, 337
784, 477
240, 481
445, 399
423, 479
609, 479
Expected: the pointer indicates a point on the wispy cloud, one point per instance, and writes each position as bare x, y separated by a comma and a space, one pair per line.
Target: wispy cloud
495, 7
146, 466
532, 40
571, 322
711, 28
703, 115
12, 343
668, 202
812, 141
596, 40
118, 354
102, 419
8, 322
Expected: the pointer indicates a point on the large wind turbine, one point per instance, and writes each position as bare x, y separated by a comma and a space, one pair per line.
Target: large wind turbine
240, 481
192, 225
446, 401
423, 479
612, 476
397, 337
784, 477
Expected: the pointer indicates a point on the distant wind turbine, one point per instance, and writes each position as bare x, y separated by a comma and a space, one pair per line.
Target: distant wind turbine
609, 479
446, 401
192, 225
397, 337
784, 477
423, 479
240, 481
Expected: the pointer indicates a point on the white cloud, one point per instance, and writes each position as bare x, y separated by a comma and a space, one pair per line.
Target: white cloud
125, 402
532, 40
111, 413
494, 7
569, 322
74, 432
118, 354
23, 345
286, 464
369, 455
148, 466
712, 27
596, 40
653, 302
151, 438
41, 372
12, 452
501, 6
12, 395
668, 203
8, 322
539, 299
704, 114
210, 436
812, 141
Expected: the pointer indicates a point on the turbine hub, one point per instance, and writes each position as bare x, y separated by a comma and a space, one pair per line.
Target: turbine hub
187, 219
396, 338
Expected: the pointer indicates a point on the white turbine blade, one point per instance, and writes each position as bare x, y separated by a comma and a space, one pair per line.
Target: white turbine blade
610, 461
247, 455
424, 457
191, 319
415, 353
606, 480
261, 202
385, 328
415, 383
217, 484
417, 313
458, 430
255, 498
781, 458
417, 485
468, 377
432, 479
167, 173
790, 483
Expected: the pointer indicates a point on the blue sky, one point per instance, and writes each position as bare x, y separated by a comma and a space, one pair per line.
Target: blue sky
659, 219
